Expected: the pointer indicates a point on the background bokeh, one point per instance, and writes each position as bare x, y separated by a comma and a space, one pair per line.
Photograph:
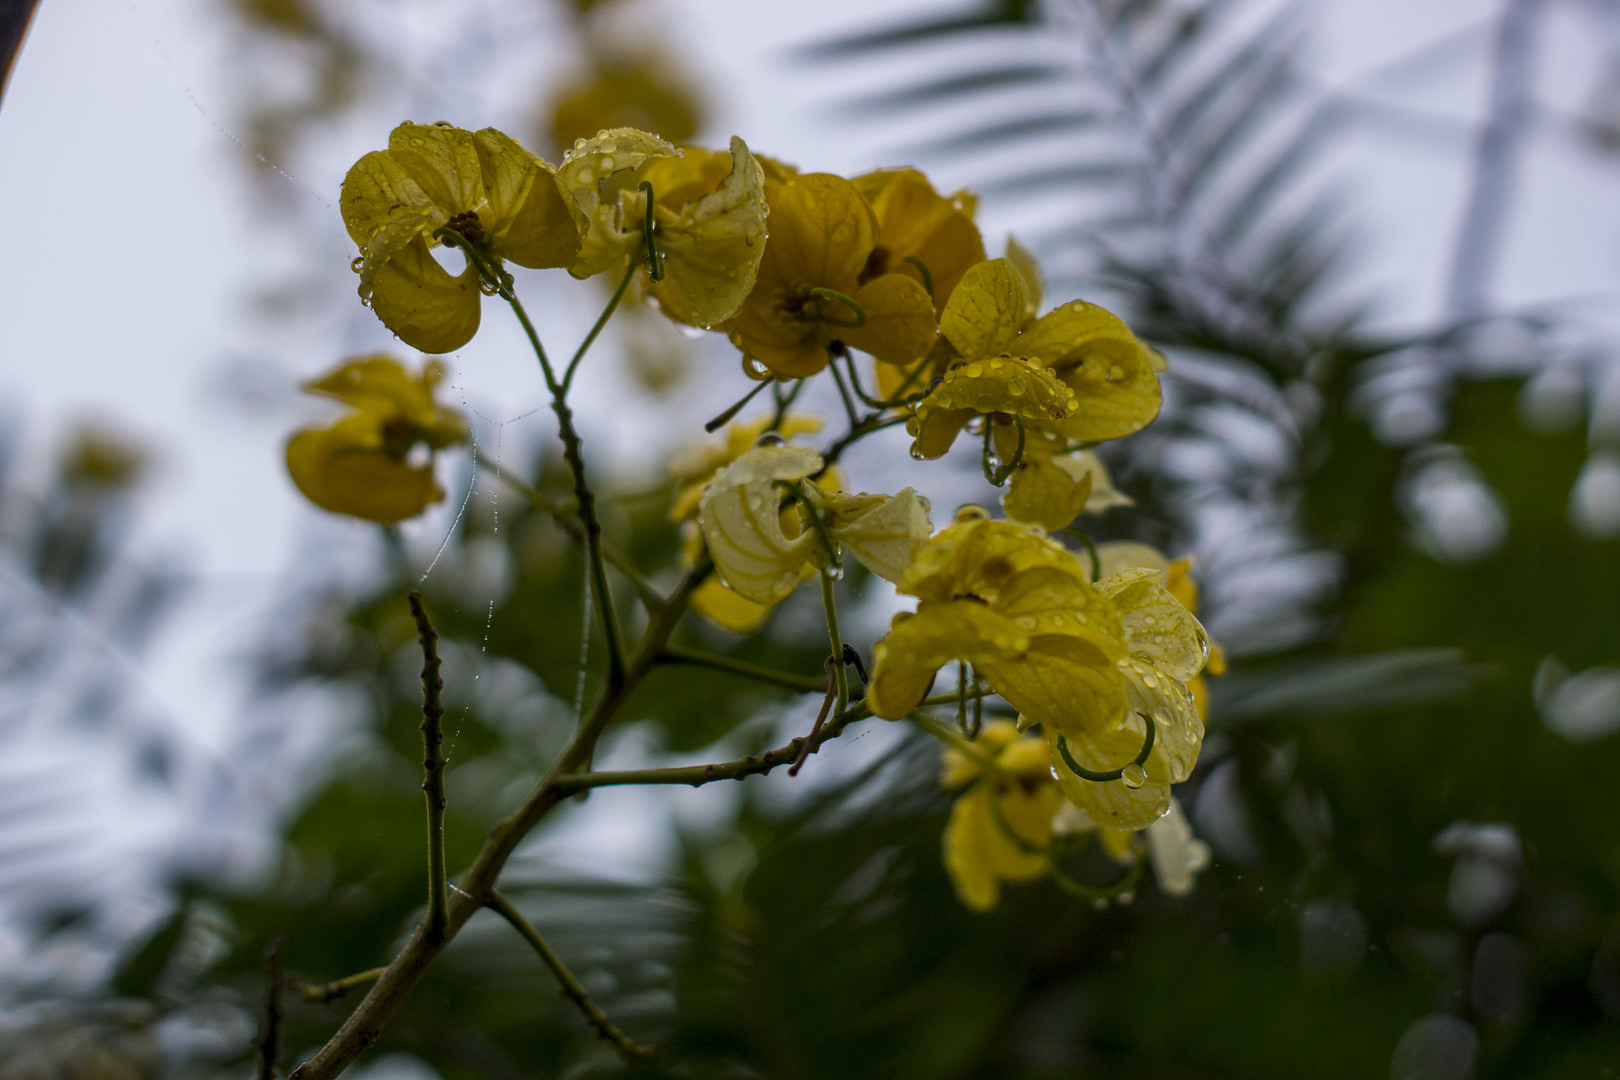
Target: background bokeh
1377, 240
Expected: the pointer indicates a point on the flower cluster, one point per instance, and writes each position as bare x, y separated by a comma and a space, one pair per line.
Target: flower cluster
1091, 654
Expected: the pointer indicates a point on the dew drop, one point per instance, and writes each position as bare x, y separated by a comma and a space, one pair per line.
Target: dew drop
1116, 373
606, 162
608, 147
985, 402
770, 438
579, 144
836, 571
1133, 776
356, 263
1150, 680
1161, 715
1150, 619
1025, 622
916, 453
969, 513
1016, 386
974, 370
1051, 768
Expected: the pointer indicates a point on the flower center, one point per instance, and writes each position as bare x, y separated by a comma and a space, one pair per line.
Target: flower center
877, 264
468, 225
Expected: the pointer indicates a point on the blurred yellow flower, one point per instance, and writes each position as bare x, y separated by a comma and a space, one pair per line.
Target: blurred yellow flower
1023, 612
365, 464
1001, 825
483, 186
809, 292
626, 92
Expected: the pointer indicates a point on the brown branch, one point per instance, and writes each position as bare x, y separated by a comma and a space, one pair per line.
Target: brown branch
270, 1037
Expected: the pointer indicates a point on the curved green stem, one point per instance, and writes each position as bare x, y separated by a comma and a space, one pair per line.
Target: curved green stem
1140, 761
601, 321
999, 476
1091, 548
922, 268
821, 292
655, 259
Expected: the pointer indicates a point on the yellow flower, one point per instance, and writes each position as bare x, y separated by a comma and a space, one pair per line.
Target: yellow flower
822, 236
708, 213
481, 185
1052, 486
1111, 372
361, 465
1164, 647
1023, 612
635, 92
920, 233
761, 553
696, 468
1003, 820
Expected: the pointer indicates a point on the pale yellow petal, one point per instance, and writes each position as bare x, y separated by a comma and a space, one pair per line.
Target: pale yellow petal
917, 646
713, 246
1112, 804
444, 161
882, 532
725, 608
1175, 854
598, 175
1158, 629
741, 519
1042, 492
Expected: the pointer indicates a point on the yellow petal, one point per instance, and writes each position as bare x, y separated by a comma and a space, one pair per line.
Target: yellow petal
742, 523
967, 841
1063, 683
993, 737
917, 646
339, 469
899, 326
422, 303
725, 608
1044, 600
883, 532
916, 223
1117, 555
1110, 370
821, 233
1043, 493
1174, 712
1158, 629
986, 310
1113, 804
695, 467
532, 220
713, 245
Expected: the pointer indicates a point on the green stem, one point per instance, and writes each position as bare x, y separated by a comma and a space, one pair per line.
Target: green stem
655, 259
843, 393
432, 727
629, 1049
784, 402
1140, 761
858, 313
999, 476
585, 500
829, 605
725, 418
601, 321
675, 654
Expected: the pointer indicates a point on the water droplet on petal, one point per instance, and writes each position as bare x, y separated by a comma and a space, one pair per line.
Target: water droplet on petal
1116, 373
1016, 386
1161, 715
916, 452
609, 146
770, 438
1133, 776
985, 402
968, 513
356, 263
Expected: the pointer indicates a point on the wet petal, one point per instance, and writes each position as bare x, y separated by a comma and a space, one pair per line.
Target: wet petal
443, 161
1171, 706
1065, 683
1110, 370
1043, 493
378, 195
600, 177
725, 608
978, 557
986, 311
1112, 804
1008, 385
1029, 272
713, 245
821, 233
1158, 629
